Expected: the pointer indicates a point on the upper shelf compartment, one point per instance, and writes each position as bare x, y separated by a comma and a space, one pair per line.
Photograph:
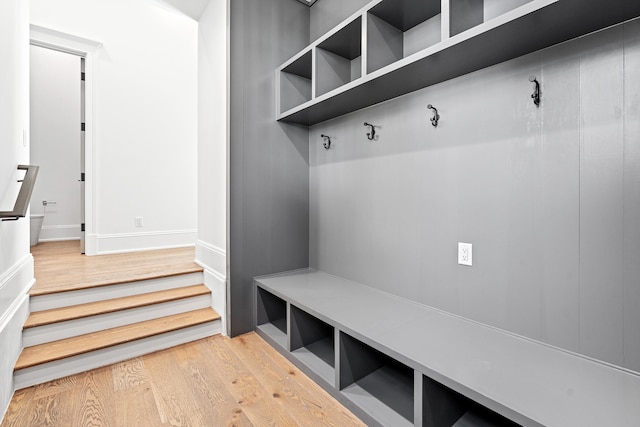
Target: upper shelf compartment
403, 50
338, 58
399, 28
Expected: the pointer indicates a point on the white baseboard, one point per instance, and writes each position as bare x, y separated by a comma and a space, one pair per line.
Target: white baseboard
100, 244
211, 258
14, 310
214, 261
51, 233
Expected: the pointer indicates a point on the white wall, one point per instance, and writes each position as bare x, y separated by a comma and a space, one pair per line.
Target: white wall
145, 119
16, 264
213, 122
55, 141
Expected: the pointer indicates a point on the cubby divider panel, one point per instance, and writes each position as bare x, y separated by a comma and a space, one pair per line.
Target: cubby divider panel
312, 342
295, 83
442, 406
399, 28
377, 383
338, 58
271, 316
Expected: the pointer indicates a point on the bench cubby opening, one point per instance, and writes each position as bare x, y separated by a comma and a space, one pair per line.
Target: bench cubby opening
338, 58
271, 316
377, 383
442, 406
399, 28
312, 341
466, 14
295, 83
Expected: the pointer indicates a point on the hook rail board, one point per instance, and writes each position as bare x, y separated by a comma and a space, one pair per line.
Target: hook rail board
379, 54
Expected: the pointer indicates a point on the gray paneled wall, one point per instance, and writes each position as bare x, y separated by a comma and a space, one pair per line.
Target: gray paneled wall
269, 169
549, 197
326, 14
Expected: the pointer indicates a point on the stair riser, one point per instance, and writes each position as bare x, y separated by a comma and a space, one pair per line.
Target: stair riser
82, 296
95, 359
71, 328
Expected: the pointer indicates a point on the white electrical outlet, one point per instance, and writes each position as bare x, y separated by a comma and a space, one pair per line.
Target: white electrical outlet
465, 253
139, 221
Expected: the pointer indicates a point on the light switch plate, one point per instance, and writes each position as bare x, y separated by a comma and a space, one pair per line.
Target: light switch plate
465, 254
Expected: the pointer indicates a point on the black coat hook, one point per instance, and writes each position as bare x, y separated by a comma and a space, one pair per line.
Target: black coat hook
327, 141
436, 116
536, 93
371, 135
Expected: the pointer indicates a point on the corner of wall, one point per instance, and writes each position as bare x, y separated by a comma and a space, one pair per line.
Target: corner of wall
214, 262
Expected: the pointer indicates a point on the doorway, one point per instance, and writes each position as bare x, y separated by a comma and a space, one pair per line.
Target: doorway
57, 114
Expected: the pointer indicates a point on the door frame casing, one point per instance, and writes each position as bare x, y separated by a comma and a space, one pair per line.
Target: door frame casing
88, 49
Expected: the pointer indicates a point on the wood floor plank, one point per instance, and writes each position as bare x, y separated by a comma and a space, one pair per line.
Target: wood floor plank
56, 350
60, 267
47, 317
212, 382
256, 401
290, 386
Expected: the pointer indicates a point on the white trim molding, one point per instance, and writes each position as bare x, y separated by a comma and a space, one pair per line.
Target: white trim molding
212, 258
14, 310
134, 242
51, 233
89, 49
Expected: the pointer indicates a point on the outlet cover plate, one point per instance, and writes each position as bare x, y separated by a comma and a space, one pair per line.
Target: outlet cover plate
465, 253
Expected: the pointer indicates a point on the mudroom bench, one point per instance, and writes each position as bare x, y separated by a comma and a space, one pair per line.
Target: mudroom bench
394, 362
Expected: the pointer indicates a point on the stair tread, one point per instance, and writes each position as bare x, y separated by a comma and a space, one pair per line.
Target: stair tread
56, 350
84, 280
46, 317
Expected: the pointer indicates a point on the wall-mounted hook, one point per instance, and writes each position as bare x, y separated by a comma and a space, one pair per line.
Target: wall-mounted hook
536, 93
436, 116
327, 141
371, 135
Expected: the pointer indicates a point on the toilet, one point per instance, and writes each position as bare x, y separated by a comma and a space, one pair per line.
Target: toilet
36, 226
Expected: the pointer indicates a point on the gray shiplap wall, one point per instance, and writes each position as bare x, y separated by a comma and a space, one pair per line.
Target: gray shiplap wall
268, 161
549, 197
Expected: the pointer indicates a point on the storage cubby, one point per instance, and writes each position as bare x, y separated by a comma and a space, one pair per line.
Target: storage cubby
378, 384
271, 316
466, 14
295, 82
442, 406
399, 28
312, 341
338, 58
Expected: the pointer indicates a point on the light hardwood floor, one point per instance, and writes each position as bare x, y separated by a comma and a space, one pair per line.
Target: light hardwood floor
211, 382
59, 266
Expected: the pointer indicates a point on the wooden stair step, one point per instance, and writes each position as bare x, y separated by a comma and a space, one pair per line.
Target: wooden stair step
56, 350
46, 317
82, 280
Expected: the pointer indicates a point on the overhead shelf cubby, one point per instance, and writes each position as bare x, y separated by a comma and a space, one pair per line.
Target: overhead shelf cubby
399, 28
466, 14
380, 385
338, 58
271, 316
312, 342
295, 82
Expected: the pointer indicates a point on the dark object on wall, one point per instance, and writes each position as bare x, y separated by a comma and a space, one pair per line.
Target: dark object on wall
327, 141
24, 195
436, 116
536, 93
371, 135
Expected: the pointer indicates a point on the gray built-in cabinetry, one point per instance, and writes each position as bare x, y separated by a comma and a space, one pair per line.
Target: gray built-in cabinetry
393, 47
397, 363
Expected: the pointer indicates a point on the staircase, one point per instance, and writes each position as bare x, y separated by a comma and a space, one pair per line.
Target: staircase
71, 331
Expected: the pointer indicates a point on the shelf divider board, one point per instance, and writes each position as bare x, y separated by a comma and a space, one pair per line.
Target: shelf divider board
312, 341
